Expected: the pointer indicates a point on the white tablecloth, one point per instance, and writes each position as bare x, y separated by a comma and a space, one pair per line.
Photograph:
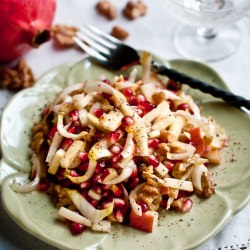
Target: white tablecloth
152, 32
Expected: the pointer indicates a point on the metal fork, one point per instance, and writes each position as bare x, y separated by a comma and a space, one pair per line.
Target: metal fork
116, 55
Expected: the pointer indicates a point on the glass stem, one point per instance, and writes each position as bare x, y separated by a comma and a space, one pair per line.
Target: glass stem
207, 33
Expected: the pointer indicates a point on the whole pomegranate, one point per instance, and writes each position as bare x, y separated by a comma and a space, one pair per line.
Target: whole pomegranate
24, 24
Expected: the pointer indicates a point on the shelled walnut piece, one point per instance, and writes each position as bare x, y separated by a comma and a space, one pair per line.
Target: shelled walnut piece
18, 77
119, 32
107, 9
63, 35
134, 10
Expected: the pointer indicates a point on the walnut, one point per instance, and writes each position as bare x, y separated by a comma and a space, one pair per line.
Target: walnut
60, 197
151, 196
151, 190
145, 170
39, 132
17, 78
63, 35
207, 185
119, 32
107, 9
162, 151
106, 106
134, 10
158, 97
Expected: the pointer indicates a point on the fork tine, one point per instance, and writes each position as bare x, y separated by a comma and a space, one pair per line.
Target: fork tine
90, 50
98, 38
92, 43
103, 34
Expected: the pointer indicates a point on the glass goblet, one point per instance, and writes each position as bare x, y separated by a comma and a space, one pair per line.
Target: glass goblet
209, 32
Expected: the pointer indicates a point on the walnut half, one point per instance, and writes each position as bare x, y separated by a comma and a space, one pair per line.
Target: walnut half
18, 77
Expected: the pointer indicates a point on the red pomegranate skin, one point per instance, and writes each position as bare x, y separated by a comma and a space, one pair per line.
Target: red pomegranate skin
24, 24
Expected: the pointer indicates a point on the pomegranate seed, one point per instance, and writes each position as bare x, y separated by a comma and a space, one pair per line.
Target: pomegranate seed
116, 158
106, 95
153, 143
183, 106
144, 206
85, 184
83, 167
169, 165
84, 193
163, 203
99, 136
119, 203
60, 174
134, 173
72, 129
108, 194
141, 99
132, 100
152, 160
173, 85
181, 194
186, 205
134, 183
113, 137
95, 180
146, 106
119, 216
74, 115
73, 173
52, 131
115, 149
175, 161
171, 104
43, 186
100, 167
93, 202
66, 144
76, 228
106, 186
128, 121
98, 112
66, 183
83, 156
138, 160
128, 92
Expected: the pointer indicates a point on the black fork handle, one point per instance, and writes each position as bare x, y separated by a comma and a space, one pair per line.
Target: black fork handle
205, 87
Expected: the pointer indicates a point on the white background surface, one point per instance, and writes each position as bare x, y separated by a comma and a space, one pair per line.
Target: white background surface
152, 32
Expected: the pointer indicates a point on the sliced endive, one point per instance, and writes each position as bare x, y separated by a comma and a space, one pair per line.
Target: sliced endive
86, 209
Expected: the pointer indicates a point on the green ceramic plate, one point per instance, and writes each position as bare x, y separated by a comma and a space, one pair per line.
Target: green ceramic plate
35, 213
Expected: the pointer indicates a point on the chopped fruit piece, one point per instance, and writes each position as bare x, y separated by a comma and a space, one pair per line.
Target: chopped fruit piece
147, 222
213, 155
197, 140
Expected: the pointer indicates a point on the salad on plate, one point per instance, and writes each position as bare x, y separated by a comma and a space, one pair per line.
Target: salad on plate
120, 150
